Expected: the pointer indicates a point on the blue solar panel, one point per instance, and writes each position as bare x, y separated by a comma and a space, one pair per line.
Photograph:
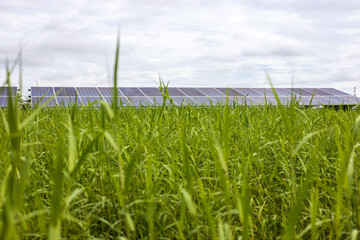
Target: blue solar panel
300, 92
261, 100
4, 101
183, 101
255, 100
109, 91
88, 100
264, 91
131, 91
229, 92
4, 91
42, 91
88, 91
307, 101
269, 92
242, 100
222, 100
175, 92
122, 101
192, 92
338, 100
246, 101
49, 101
151, 91
140, 101
283, 100
65, 91
317, 92
282, 92
323, 100
158, 101
211, 92
68, 101
247, 92
201, 96
333, 91
204, 100
352, 99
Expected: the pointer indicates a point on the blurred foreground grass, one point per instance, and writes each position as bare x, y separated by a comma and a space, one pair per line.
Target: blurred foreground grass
185, 172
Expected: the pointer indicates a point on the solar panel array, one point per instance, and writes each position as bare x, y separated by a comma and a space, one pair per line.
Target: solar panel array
4, 95
151, 96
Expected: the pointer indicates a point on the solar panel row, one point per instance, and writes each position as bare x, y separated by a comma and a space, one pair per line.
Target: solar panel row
4, 91
150, 96
4, 101
4, 95
201, 100
173, 91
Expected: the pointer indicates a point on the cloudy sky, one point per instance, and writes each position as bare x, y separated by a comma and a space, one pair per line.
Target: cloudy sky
189, 43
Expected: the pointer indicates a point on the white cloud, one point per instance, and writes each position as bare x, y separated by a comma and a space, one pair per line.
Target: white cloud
190, 43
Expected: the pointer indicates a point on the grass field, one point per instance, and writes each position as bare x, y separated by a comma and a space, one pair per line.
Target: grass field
188, 172
220, 172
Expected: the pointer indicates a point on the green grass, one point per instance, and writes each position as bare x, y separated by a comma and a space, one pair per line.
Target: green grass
216, 172
219, 172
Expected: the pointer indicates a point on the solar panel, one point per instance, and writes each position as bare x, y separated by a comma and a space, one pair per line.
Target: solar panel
175, 92
262, 100
42, 91
203, 96
352, 99
229, 92
222, 100
192, 92
87, 100
140, 101
282, 92
300, 92
334, 91
131, 91
65, 91
317, 92
247, 92
4, 101
242, 100
183, 101
273, 101
212, 92
49, 101
122, 101
269, 93
88, 91
158, 101
204, 100
4, 91
338, 100
255, 100
264, 91
323, 100
307, 101
108, 91
68, 100
151, 91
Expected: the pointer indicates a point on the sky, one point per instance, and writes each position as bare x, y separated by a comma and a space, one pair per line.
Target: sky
188, 43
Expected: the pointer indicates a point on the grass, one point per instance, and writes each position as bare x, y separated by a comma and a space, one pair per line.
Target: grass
219, 172
179, 172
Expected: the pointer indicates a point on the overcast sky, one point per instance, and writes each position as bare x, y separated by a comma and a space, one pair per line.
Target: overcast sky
188, 43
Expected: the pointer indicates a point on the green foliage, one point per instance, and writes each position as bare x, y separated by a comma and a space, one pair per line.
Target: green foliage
188, 172
179, 172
